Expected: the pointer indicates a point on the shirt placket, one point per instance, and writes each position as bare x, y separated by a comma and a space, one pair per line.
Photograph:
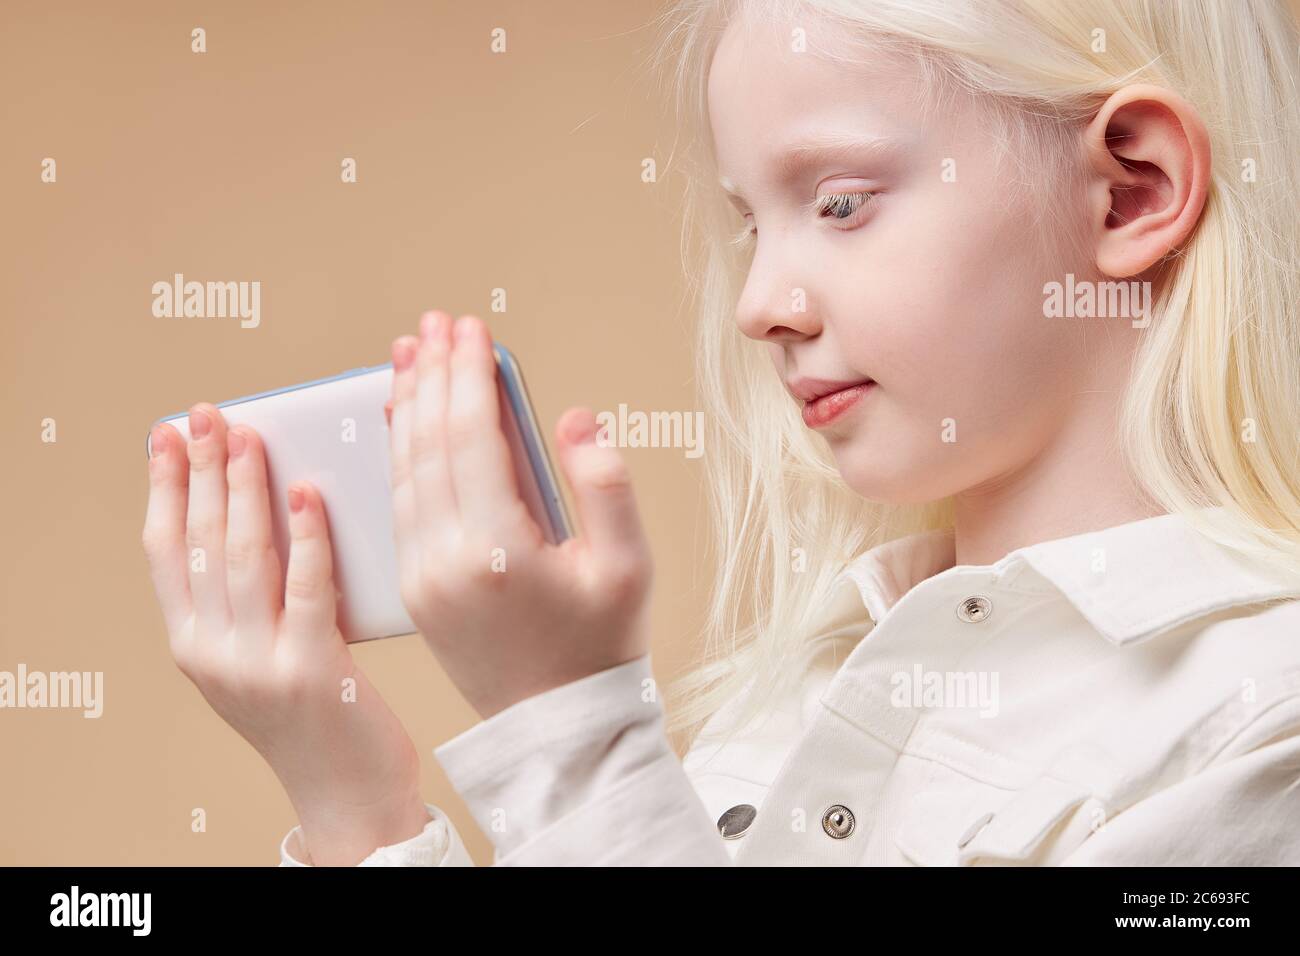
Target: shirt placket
825, 805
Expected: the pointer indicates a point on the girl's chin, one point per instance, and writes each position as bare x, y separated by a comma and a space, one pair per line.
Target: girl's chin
898, 484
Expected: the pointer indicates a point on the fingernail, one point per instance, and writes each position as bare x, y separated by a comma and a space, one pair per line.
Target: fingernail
157, 441
431, 325
200, 424
236, 443
295, 500
403, 355
584, 432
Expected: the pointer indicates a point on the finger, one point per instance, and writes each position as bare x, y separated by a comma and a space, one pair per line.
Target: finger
164, 525
601, 485
252, 565
405, 530
310, 600
205, 519
481, 467
388, 413
436, 507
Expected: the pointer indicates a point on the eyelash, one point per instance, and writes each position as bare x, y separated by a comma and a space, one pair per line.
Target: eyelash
849, 202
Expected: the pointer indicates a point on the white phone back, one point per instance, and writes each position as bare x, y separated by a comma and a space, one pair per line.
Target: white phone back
332, 432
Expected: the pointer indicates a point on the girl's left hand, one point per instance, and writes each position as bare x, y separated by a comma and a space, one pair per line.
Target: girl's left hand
507, 614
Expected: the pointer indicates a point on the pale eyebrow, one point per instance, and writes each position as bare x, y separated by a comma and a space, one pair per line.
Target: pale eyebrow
829, 148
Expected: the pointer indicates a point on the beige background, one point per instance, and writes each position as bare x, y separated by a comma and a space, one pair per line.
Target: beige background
475, 171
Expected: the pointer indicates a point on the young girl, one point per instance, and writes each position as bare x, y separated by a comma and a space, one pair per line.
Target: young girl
1002, 373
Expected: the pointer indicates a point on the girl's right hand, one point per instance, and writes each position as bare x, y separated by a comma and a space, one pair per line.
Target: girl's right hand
274, 666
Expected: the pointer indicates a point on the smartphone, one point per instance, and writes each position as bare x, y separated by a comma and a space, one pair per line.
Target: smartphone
332, 432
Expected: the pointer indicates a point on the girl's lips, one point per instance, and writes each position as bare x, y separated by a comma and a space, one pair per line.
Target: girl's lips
828, 408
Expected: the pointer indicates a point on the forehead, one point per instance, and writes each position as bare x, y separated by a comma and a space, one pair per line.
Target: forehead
763, 92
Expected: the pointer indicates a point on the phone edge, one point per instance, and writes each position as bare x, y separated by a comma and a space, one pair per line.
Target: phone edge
350, 373
539, 458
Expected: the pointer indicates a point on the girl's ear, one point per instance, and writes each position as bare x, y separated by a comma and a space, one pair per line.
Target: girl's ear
1149, 155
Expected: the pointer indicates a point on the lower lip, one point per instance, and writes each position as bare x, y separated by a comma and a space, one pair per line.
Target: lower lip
831, 407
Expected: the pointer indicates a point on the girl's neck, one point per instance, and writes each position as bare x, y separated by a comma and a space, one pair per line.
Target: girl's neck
1076, 484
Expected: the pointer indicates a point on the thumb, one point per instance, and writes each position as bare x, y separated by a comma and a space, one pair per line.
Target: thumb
601, 485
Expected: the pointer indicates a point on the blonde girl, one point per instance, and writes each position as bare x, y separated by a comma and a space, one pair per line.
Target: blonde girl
998, 343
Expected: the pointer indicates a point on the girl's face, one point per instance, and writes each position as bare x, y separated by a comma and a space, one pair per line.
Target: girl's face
888, 248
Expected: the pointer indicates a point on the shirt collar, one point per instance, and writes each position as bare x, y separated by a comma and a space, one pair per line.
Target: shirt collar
1131, 581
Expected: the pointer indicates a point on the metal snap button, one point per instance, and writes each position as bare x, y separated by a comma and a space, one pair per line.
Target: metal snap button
974, 609
838, 821
734, 822
973, 829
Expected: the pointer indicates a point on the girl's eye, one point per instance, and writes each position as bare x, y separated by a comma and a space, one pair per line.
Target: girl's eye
840, 207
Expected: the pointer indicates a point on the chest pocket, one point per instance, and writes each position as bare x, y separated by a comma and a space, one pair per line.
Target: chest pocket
1038, 825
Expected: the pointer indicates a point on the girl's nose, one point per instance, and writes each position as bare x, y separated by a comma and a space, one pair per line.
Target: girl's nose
778, 317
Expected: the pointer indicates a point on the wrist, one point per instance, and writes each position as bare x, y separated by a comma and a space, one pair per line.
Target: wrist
344, 835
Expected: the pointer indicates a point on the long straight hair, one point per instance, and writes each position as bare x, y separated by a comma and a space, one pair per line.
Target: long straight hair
1212, 413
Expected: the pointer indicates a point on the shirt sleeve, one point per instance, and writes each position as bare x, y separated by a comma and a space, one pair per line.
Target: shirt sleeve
1240, 811
438, 844
582, 775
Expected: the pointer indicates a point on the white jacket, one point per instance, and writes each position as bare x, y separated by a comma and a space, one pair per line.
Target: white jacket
1140, 705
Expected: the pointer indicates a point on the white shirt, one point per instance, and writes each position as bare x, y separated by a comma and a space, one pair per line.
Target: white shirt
1133, 699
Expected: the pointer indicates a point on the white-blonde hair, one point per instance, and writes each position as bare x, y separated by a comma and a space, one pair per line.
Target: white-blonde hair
1212, 414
